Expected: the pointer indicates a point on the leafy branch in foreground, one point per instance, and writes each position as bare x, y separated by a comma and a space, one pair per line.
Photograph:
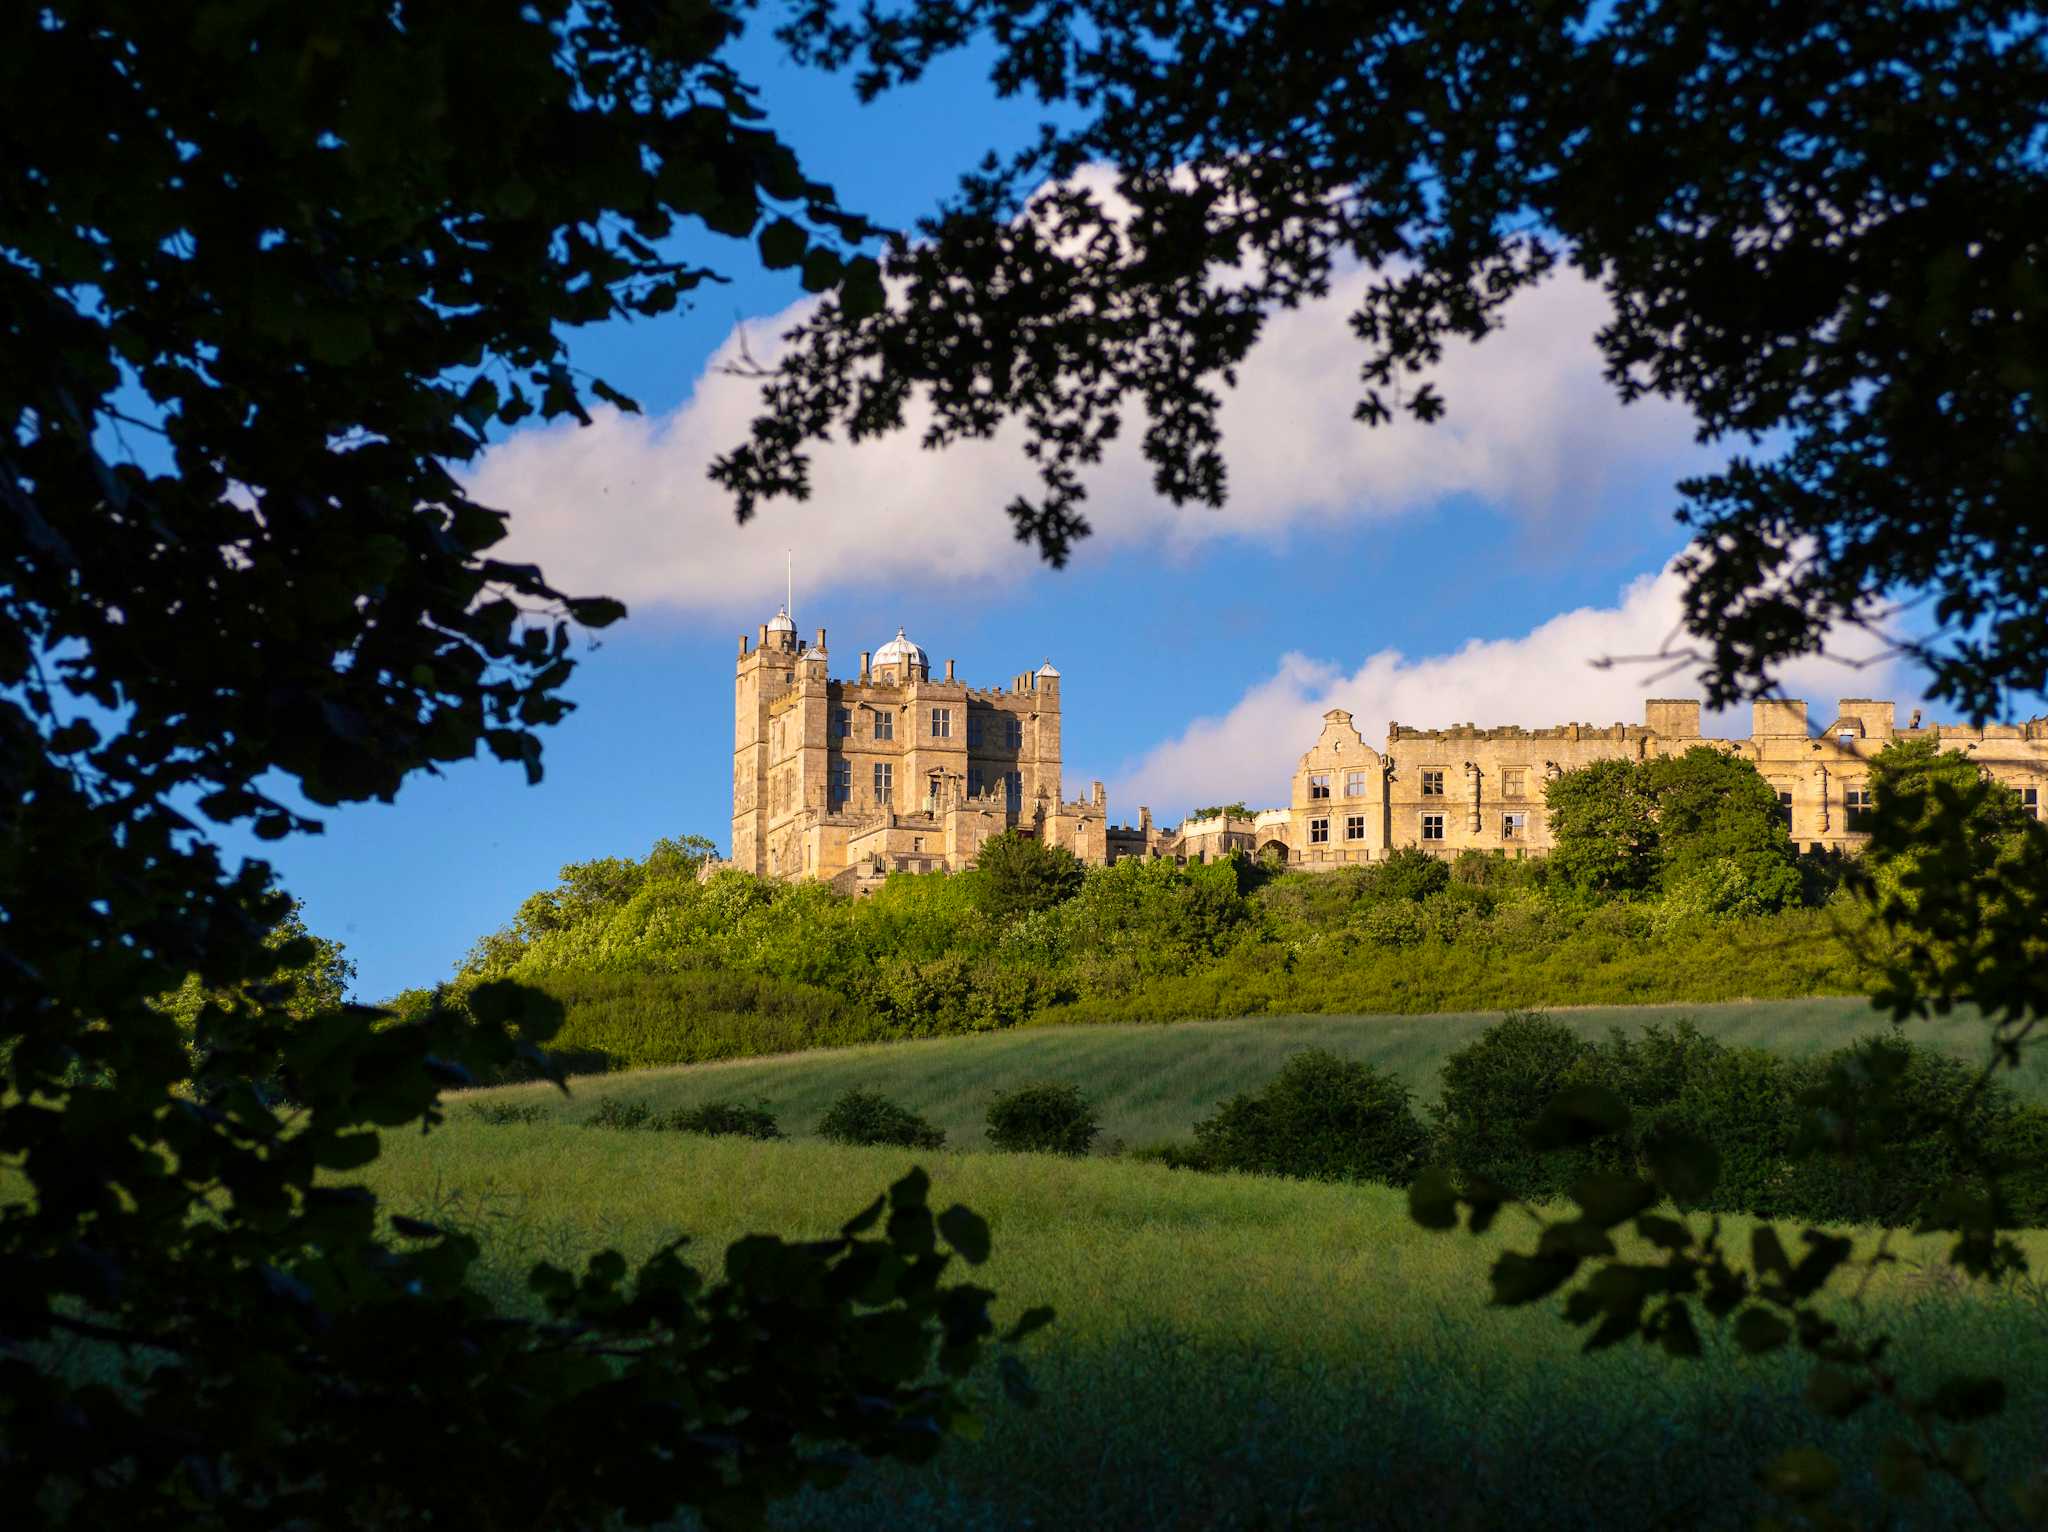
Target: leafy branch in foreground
313, 253
1819, 228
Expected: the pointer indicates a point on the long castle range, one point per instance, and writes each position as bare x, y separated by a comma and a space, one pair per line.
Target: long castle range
894, 771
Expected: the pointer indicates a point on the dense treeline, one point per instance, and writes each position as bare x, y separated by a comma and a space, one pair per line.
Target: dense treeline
1673, 881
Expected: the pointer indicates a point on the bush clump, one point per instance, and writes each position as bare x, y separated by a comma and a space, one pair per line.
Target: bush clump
722, 1119
869, 1117
1042, 1118
1859, 1135
1323, 1118
617, 1112
1494, 1089
1891, 1105
500, 1114
716, 1118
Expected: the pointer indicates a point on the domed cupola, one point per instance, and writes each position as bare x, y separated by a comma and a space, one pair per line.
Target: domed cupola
904, 657
779, 632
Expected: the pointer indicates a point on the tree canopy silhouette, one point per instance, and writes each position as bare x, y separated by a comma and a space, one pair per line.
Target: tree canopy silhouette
1821, 228
269, 271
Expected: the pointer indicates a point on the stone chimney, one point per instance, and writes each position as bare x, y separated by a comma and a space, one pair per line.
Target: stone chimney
949, 670
762, 641
743, 646
1097, 797
865, 656
821, 639
1144, 818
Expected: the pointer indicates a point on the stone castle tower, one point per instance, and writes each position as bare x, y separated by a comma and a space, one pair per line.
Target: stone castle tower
892, 770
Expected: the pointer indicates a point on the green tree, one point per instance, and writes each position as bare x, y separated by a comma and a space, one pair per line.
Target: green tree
1018, 874
1958, 876
1409, 873
302, 256
1603, 820
1718, 824
311, 986
1913, 781
1236, 810
311, 981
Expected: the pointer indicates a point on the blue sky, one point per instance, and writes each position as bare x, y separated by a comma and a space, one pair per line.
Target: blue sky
1465, 573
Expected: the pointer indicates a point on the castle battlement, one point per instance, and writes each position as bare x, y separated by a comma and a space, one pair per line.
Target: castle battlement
2033, 729
1399, 733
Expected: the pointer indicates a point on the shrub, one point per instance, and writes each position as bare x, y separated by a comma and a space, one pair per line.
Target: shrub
1891, 1103
1018, 874
1730, 886
725, 1119
868, 1117
1398, 923
1409, 873
1494, 1088
927, 998
505, 1113
617, 1112
638, 1020
1740, 1101
2021, 1147
1323, 1118
1044, 1118
1776, 1125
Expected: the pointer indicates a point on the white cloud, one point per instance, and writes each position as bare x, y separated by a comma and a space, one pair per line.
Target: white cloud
623, 506
1545, 677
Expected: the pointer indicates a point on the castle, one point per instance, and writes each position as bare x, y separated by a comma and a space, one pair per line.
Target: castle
1467, 788
893, 771
850, 780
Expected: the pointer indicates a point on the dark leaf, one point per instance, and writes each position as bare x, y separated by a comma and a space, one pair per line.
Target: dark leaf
1968, 1398
1579, 1115
1028, 1323
966, 1232
1836, 1393
1761, 1330
1433, 1200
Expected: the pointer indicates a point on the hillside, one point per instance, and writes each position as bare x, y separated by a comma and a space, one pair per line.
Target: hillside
1152, 1082
654, 964
1226, 1345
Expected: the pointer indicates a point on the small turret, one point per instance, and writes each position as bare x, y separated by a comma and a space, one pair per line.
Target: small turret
904, 658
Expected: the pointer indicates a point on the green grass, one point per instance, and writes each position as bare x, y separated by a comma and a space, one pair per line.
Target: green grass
1234, 1352
1151, 1082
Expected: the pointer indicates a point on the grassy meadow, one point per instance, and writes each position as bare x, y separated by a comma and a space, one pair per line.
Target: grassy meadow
1151, 1082
1238, 1352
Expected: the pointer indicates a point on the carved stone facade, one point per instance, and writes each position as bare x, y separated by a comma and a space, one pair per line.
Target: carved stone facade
892, 771
1467, 788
